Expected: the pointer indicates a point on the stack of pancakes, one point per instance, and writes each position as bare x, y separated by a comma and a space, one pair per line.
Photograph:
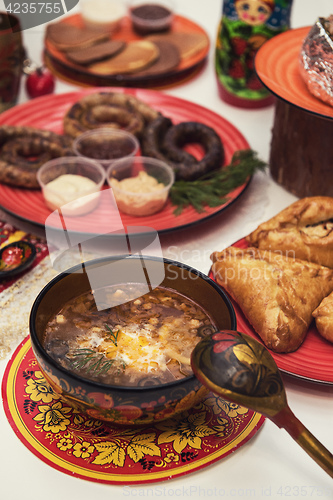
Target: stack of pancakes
151, 55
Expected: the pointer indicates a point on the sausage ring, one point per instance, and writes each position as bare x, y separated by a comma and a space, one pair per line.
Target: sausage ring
24, 149
165, 141
108, 109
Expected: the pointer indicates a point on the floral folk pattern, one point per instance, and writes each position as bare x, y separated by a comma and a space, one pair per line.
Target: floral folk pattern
9, 234
85, 447
92, 442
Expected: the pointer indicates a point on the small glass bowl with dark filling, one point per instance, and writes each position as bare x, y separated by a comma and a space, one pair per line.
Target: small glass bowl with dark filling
151, 17
15, 258
106, 145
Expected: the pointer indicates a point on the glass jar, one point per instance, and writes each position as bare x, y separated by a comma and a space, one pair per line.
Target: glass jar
11, 60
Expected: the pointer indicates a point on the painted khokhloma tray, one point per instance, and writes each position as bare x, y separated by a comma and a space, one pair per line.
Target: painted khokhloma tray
87, 448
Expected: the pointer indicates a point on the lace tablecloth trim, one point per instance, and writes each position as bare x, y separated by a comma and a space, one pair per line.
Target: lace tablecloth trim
16, 302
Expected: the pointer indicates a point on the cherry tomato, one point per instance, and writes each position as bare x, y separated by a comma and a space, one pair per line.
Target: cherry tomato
39, 82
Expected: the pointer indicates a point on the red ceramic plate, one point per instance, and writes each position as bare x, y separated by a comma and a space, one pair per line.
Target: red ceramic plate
277, 65
47, 113
313, 360
59, 63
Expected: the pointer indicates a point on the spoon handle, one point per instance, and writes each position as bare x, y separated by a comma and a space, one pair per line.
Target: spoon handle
287, 420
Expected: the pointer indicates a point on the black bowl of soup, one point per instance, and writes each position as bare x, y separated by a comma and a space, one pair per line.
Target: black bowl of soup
114, 336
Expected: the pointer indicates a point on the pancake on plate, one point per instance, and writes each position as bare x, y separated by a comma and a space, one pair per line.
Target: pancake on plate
188, 44
96, 52
67, 37
134, 57
168, 60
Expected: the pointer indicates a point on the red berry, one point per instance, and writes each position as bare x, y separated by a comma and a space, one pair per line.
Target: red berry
39, 82
236, 69
239, 45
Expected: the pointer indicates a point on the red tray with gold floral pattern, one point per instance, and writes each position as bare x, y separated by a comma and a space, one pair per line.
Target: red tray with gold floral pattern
90, 449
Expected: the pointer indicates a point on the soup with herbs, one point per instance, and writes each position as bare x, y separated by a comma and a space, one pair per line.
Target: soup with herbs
139, 342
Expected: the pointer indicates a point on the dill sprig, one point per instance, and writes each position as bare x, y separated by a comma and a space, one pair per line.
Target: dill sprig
113, 336
91, 360
212, 189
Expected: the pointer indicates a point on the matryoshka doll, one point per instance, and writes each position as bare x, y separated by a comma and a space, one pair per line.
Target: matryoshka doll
245, 25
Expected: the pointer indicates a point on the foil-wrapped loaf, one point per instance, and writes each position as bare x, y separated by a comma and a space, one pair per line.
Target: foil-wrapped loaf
316, 60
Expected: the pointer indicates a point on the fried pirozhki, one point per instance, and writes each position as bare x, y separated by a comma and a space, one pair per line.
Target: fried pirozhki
303, 230
323, 315
277, 294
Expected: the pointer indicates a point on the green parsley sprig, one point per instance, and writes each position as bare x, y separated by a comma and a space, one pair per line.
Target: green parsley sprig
212, 189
